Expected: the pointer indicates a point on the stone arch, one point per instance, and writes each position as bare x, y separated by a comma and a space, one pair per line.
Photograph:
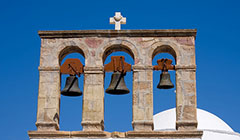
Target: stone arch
105, 50
66, 49
119, 45
164, 47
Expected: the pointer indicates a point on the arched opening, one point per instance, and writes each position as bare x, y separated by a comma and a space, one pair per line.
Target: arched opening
164, 49
118, 108
71, 107
163, 99
68, 50
117, 48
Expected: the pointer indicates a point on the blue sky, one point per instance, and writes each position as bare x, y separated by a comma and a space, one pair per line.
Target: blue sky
217, 56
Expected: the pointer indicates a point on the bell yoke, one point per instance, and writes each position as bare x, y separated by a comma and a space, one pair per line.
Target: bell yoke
119, 68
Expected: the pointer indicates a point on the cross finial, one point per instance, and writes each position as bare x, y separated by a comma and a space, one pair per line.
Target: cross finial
118, 19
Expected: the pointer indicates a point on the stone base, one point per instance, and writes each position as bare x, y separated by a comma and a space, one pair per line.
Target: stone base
186, 125
92, 126
103, 134
142, 126
47, 126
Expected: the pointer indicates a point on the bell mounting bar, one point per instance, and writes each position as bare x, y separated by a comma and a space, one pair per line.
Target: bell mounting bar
72, 66
164, 65
117, 64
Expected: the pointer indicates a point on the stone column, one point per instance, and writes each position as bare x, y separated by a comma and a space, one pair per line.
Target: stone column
142, 98
48, 99
186, 106
93, 99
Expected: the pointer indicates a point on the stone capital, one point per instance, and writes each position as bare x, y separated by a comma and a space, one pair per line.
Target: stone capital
189, 67
94, 70
40, 68
142, 67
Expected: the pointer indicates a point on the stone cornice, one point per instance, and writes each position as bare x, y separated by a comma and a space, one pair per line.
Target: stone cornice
118, 33
126, 135
164, 134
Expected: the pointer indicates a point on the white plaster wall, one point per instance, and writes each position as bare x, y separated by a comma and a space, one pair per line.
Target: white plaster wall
206, 121
211, 135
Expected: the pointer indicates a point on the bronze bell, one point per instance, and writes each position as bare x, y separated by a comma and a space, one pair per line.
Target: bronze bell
165, 81
71, 87
117, 85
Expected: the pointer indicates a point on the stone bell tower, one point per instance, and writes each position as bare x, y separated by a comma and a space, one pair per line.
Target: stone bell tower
95, 46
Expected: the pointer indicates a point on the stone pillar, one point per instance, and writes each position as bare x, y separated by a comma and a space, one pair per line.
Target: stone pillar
186, 106
48, 99
142, 98
93, 99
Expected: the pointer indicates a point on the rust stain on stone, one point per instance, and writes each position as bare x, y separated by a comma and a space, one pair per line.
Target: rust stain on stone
93, 53
137, 40
93, 42
189, 41
137, 61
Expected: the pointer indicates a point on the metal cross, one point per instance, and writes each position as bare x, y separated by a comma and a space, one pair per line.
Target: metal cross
118, 19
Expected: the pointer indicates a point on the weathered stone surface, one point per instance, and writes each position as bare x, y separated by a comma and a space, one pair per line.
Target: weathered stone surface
48, 99
186, 99
142, 99
95, 46
189, 41
93, 42
93, 101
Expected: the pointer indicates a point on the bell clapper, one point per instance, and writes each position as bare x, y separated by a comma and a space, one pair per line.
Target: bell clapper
122, 73
76, 73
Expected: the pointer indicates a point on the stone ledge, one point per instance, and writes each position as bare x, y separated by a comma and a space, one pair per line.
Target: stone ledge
89, 134
49, 68
104, 134
48, 134
99, 68
164, 134
67, 134
190, 67
118, 33
141, 67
